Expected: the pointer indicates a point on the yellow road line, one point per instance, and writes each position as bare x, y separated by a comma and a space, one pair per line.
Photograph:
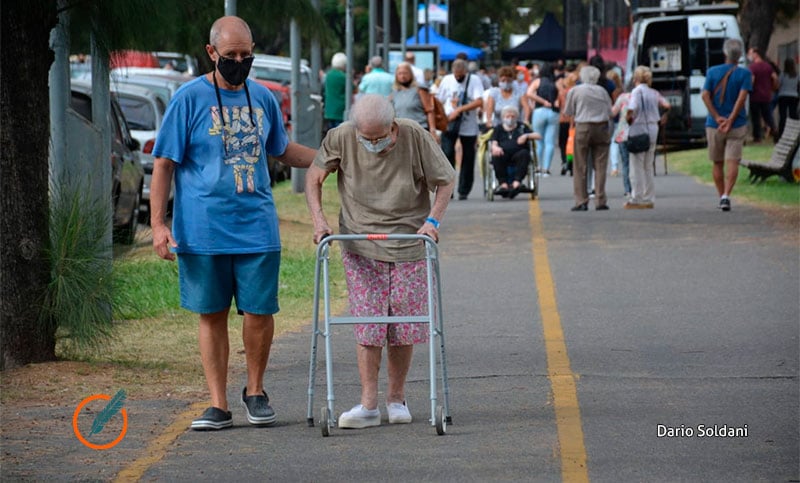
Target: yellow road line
562, 380
158, 447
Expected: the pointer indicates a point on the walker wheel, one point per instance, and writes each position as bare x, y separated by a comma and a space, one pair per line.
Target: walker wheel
325, 422
441, 423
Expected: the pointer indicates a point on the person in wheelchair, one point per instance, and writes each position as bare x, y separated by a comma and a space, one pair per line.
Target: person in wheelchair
511, 152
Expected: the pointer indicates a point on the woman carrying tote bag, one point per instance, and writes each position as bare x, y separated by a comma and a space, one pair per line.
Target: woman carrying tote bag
643, 117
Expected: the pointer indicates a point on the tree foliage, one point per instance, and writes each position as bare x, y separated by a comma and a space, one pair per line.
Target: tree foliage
183, 26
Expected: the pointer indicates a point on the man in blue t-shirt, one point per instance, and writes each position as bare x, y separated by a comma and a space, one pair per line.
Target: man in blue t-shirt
724, 95
215, 138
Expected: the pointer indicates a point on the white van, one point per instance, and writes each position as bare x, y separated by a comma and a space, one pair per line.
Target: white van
679, 41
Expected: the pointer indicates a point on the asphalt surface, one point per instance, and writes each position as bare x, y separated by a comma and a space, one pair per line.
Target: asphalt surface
680, 317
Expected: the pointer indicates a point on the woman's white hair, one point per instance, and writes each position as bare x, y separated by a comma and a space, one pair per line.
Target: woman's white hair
372, 109
509, 109
590, 74
339, 61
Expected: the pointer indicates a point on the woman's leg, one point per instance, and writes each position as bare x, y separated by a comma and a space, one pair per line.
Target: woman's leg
563, 135
550, 138
539, 126
624, 157
637, 162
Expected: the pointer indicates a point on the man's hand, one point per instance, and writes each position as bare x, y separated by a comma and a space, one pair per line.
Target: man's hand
724, 125
163, 241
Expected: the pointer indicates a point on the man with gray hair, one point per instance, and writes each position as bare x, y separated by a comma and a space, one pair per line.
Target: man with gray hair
724, 94
377, 80
387, 167
589, 107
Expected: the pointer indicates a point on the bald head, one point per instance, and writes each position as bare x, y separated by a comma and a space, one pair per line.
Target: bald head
229, 26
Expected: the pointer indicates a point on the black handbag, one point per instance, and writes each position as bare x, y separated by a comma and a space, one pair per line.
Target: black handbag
454, 126
638, 143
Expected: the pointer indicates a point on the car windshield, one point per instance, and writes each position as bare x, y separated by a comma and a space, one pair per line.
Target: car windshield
139, 113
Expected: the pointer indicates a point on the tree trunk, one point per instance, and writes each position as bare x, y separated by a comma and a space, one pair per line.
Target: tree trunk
24, 181
757, 20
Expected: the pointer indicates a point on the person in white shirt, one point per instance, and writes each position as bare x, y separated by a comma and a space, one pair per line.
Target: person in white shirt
461, 94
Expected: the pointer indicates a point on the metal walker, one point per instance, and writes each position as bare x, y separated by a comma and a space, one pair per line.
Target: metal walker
440, 414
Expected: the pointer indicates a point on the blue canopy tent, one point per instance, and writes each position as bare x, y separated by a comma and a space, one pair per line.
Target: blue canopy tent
448, 49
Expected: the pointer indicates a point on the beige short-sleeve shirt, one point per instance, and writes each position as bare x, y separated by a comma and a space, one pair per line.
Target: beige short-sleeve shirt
386, 193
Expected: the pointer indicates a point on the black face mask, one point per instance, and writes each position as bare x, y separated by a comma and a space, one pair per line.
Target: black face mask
460, 79
406, 83
234, 73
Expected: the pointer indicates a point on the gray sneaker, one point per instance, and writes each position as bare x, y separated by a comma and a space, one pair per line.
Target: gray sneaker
213, 419
259, 412
725, 204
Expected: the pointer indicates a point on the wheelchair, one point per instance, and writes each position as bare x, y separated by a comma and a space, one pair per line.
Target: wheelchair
530, 184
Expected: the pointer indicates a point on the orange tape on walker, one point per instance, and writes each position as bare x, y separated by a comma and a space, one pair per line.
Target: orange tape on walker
377, 237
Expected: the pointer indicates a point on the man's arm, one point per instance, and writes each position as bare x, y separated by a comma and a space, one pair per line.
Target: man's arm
315, 177
297, 156
737, 108
160, 185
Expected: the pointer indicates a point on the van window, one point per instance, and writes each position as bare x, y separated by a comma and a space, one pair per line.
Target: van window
698, 63
665, 33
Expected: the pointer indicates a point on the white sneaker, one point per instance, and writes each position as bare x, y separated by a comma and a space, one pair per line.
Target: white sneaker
398, 413
359, 417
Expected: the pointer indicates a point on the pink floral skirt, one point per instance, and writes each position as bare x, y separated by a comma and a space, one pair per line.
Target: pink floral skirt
377, 288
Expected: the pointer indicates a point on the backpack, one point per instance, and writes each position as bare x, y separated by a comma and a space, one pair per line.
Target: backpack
439, 117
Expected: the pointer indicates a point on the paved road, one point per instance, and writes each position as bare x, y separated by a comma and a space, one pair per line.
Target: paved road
679, 318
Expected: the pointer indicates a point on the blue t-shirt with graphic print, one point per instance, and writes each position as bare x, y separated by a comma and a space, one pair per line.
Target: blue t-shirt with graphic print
223, 200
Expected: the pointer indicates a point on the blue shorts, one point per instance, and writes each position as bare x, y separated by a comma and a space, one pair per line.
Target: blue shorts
209, 282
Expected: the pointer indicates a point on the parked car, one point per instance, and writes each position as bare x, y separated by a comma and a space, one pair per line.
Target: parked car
127, 71
163, 87
279, 69
174, 61
143, 111
183, 63
127, 174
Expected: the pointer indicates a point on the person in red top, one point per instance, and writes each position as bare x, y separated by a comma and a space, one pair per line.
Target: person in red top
765, 82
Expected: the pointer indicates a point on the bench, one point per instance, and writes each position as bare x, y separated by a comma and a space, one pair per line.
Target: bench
780, 163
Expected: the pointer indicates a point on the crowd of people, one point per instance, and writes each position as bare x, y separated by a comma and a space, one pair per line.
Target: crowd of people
474, 97
397, 175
